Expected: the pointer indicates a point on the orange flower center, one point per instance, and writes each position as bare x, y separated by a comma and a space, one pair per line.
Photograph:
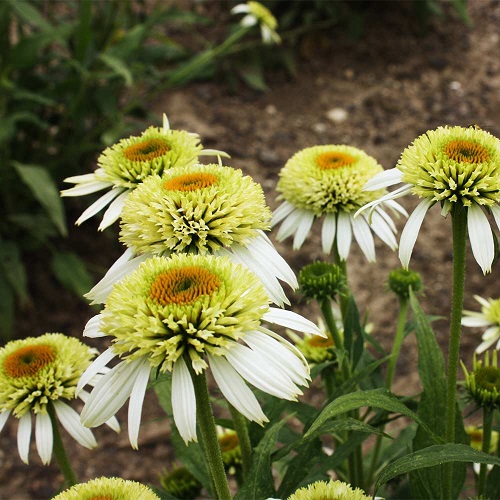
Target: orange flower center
333, 160
102, 497
190, 182
183, 286
228, 442
27, 361
147, 150
318, 341
466, 152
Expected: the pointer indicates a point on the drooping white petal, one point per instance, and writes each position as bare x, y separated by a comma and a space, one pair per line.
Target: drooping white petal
383, 230
491, 333
364, 237
384, 179
495, 210
488, 340
112, 423
136, 401
235, 389
396, 207
114, 211
241, 8
481, 237
344, 234
328, 232
98, 205
102, 360
472, 321
393, 195
290, 224
248, 21
44, 436
283, 211
70, 420
261, 374
410, 231
24, 436
111, 392
123, 266
303, 229
184, 402
213, 152
91, 329
290, 319
86, 188
4, 416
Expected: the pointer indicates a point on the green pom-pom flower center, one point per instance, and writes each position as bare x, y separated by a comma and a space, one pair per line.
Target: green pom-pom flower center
146, 150
488, 378
28, 361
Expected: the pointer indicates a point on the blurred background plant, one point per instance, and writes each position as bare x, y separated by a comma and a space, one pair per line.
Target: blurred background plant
76, 76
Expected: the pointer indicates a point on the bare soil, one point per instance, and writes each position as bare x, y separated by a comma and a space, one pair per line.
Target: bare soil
392, 85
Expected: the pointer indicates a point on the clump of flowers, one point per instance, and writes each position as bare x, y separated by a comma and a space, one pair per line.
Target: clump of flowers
327, 182
108, 487
181, 315
332, 489
39, 375
483, 382
488, 318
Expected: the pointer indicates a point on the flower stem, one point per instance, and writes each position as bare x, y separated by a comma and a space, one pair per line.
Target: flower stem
241, 428
487, 428
459, 231
59, 450
206, 423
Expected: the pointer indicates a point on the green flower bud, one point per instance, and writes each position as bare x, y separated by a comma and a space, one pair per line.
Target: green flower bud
483, 383
321, 280
401, 280
181, 484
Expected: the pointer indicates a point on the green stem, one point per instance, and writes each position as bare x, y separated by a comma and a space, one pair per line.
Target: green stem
459, 231
241, 428
59, 450
487, 428
206, 423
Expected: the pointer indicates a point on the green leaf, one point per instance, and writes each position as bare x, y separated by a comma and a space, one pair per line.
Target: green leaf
432, 457
252, 74
260, 482
353, 331
6, 308
29, 14
13, 269
376, 398
118, 66
71, 271
44, 190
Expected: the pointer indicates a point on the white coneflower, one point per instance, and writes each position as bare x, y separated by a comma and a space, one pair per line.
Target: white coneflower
456, 167
125, 165
196, 310
199, 209
488, 318
40, 371
327, 182
258, 14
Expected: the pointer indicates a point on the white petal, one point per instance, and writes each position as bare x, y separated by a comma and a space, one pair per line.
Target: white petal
292, 320
112, 423
102, 360
114, 211
248, 21
484, 345
290, 224
80, 179
91, 329
328, 232
393, 195
364, 238
475, 321
70, 420
111, 392
213, 152
86, 188
344, 234
166, 123
4, 416
44, 436
241, 8
303, 229
184, 402
98, 205
384, 179
136, 401
24, 436
396, 207
481, 237
495, 210
410, 231
383, 230
235, 390
283, 211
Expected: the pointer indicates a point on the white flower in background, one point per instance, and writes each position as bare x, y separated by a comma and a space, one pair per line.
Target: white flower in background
38, 372
197, 310
125, 165
256, 13
488, 318
199, 209
327, 182
456, 167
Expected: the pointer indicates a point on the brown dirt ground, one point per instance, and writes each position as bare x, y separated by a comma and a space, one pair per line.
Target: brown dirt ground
393, 85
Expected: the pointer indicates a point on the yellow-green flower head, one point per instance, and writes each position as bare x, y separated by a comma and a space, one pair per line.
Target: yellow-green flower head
401, 280
196, 209
196, 310
39, 375
488, 318
322, 280
457, 167
256, 13
230, 448
483, 382
125, 165
180, 483
317, 349
321, 490
328, 181
108, 488
476, 438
